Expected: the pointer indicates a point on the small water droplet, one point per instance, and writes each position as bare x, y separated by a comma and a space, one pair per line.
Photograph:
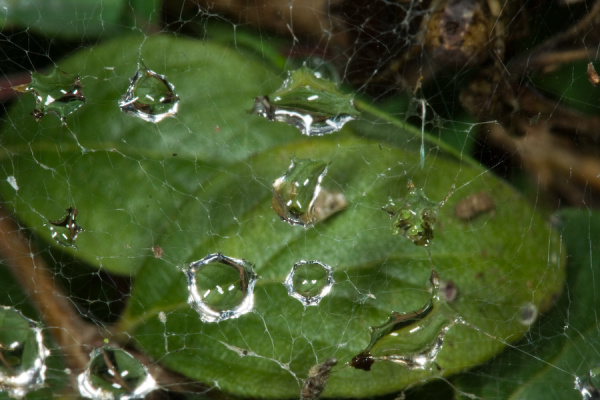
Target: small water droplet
114, 374
411, 339
150, 96
313, 105
413, 216
528, 314
12, 181
220, 287
298, 197
58, 93
70, 230
309, 281
22, 353
589, 386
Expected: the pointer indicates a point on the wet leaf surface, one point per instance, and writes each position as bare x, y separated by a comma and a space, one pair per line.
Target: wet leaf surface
201, 183
564, 344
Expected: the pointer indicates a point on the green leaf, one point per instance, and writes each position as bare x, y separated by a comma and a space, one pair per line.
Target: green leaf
201, 183
564, 344
70, 19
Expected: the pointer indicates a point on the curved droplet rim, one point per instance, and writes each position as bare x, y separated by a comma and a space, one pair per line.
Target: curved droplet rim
32, 379
129, 98
247, 278
88, 390
309, 300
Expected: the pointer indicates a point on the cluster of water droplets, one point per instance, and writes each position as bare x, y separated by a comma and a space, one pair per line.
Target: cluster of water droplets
309, 281
114, 374
150, 96
22, 354
413, 216
59, 93
307, 101
299, 198
220, 287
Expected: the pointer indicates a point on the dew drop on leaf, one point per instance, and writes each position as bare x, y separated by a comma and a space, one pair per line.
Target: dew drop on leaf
66, 230
114, 374
528, 314
298, 197
22, 353
411, 339
150, 96
220, 287
58, 93
589, 386
309, 281
413, 216
315, 106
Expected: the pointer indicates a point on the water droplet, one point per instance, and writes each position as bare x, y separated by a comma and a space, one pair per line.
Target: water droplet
22, 353
309, 281
313, 105
220, 287
150, 96
114, 374
413, 216
12, 181
589, 387
411, 339
528, 314
298, 197
58, 93
68, 234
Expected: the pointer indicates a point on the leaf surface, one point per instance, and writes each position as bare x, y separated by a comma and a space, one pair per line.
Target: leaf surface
201, 183
564, 344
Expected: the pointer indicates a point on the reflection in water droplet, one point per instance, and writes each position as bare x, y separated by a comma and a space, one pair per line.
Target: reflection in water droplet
298, 197
114, 374
12, 181
589, 387
411, 339
528, 314
309, 281
220, 287
413, 216
22, 353
58, 93
313, 105
150, 96
68, 234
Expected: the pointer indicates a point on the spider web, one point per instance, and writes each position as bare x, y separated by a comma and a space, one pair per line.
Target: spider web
525, 115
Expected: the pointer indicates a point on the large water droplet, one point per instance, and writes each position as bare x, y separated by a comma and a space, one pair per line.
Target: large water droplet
58, 93
313, 105
65, 230
298, 197
309, 281
413, 216
114, 374
150, 96
411, 339
589, 386
22, 353
220, 287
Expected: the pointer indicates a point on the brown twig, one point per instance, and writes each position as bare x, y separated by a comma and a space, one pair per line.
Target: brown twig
68, 330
